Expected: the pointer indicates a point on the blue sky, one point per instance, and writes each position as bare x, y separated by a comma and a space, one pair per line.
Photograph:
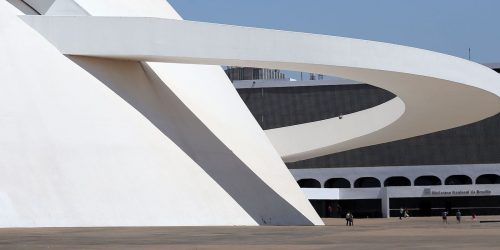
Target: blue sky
447, 26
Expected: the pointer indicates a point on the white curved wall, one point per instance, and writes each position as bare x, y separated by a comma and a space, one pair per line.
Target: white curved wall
95, 142
75, 154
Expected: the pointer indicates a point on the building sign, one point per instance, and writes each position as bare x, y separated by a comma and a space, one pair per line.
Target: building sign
465, 192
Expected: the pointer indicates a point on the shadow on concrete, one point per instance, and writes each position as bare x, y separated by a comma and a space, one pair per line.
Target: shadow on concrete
138, 84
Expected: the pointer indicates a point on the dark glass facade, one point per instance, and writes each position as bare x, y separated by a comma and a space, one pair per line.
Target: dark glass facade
285, 106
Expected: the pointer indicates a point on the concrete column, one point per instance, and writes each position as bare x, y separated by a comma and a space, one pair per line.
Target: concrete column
385, 202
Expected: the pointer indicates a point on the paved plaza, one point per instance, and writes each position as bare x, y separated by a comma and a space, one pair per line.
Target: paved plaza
411, 233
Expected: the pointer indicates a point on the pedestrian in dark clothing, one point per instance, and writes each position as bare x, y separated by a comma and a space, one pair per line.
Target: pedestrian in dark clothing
459, 216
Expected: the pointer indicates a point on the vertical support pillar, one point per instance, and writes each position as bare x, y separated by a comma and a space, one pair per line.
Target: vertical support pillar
384, 196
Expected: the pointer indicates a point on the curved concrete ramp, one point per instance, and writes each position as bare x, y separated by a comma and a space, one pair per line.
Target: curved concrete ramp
435, 91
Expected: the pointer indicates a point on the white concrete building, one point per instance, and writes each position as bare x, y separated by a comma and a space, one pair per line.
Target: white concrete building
115, 113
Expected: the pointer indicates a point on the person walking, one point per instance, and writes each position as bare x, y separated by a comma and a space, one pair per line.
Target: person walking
401, 211
459, 216
347, 218
351, 219
445, 217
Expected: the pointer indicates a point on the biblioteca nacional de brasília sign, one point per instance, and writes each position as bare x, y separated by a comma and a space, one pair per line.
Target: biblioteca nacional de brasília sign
464, 192
115, 113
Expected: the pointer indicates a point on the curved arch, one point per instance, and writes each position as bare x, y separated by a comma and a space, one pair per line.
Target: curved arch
431, 88
309, 183
367, 182
427, 180
396, 181
337, 183
488, 179
458, 180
